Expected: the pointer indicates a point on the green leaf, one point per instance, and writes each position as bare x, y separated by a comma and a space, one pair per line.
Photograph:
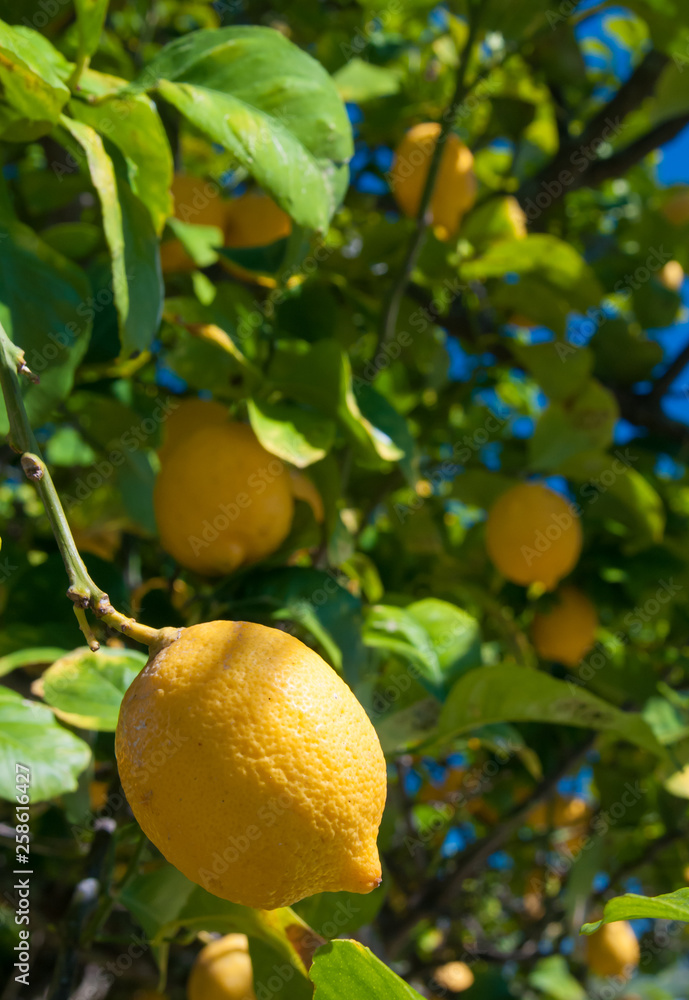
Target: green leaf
382, 415
552, 977
32, 87
560, 369
73, 239
52, 328
297, 435
321, 375
332, 914
556, 263
348, 969
137, 278
163, 901
567, 429
518, 694
396, 630
201, 242
85, 689
611, 488
142, 261
670, 906
299, 588
29, 657
272, 106
90, 21
454, 634
30, 736
358, 81
133, 125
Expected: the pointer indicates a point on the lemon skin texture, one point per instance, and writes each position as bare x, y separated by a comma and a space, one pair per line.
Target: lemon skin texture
198, 202
222, 971
455, 186
221, 500
532, 535
613, 950
252, 767
566, 632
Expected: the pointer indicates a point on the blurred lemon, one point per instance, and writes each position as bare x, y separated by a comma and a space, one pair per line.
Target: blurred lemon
455, 186
566, 632
533, 535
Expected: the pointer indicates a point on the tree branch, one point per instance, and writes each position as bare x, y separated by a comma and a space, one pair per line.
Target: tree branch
673, 371
584, 169
437, 898
620, 163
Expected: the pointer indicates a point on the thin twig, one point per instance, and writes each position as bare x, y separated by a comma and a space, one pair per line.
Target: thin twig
82, 590
395, 295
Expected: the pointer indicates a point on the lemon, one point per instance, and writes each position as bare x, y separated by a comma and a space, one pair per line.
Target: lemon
455, 186
566, 632
221, 500
454, 976
613, 950
198, 202
533, 535
222, 971
252, 767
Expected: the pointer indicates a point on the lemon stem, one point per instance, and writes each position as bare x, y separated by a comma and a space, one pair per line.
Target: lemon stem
82, 590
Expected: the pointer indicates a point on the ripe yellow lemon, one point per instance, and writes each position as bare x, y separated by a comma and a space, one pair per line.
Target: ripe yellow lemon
566, 632
533, 535
198, 202
613, 950
671, 276
454, 976
221, 500
455, 186
252, 767
222, 971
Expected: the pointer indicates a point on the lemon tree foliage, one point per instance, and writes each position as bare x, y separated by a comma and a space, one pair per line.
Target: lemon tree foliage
343, 364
